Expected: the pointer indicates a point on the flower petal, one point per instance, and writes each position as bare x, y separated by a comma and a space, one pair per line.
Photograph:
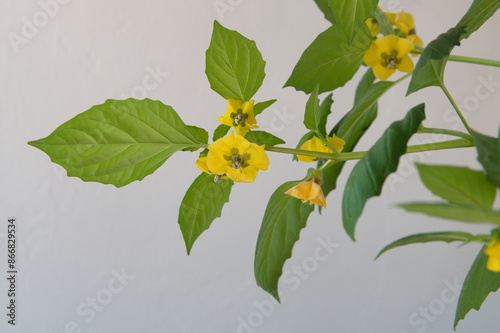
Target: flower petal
381, 72
336, 142
406, 65
404, 46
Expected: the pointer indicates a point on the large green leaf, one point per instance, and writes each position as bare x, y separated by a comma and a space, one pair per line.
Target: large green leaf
429, 70
452, 212
200, 134
119, 141
479, 12
351, 15
458, 185
444, 236
234, 65
369, 174
285, 216
263, 138
478, 284
201, 204
327, 11
329, 61
488, 150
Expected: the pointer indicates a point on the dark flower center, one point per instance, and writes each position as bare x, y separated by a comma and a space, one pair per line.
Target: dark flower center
237, 161
390, 60
239, 118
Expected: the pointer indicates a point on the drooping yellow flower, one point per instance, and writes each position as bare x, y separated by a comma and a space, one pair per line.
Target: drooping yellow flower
239, 115
308, 190
315, 144
237, 158
493, 253
388, 53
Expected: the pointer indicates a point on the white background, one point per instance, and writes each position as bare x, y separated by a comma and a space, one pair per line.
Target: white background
74, 236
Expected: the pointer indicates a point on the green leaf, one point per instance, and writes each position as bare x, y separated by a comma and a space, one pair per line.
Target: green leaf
369, 174
263, 138
444, 236
118, 142
429, 70
202, 204
221, 131
284, 218
311, 115
234, 65
458, 185
327, 11
451, 212
259, 107
325, 108
351, 15
479, 12
329, 61
488, 150
478, 284
200, 134
305, 137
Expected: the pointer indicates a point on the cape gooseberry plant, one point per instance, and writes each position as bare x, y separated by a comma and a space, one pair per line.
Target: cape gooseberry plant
122, 141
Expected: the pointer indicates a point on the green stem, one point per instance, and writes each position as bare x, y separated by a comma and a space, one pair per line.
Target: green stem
455, 106
446, 132
340, 157
469, 60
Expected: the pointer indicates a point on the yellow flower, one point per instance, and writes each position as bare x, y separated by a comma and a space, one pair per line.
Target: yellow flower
240, 115
493, 253
391, 17
373, 26
315, 144
388, 53
308, 190
406, 23
237, 158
